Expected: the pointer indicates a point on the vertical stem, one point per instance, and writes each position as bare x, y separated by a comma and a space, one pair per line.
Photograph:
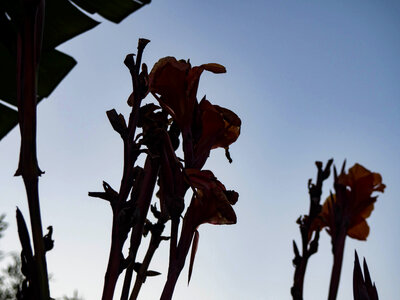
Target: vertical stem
114, 262
176, 266
112, 273
297, 289
28, 53
141, 275
151, 168
174, 238
187, 146
338, 248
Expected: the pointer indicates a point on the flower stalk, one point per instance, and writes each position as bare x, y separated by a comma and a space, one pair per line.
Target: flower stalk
308, 247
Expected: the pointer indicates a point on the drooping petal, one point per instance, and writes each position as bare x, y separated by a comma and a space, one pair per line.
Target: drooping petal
232, 125
210, 204
359, 231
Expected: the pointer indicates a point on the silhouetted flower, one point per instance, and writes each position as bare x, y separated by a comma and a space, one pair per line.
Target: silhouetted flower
219, 127
353, 202
176, 82
212, 203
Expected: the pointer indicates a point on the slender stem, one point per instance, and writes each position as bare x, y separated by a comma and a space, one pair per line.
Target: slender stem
297, 289
141, 275
187, 146
151, 168
309, 247
338, 247
174, 239
176, 266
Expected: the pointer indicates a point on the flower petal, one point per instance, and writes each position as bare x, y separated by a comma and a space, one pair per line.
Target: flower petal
359, 231
214, 67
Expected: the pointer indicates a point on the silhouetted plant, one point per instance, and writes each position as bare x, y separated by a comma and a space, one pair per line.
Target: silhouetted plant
202, 127
22, 48
363, 288
309, 244
343, 213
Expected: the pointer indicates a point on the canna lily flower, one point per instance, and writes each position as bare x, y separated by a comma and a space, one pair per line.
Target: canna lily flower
220, 127
177, 82
211, 203
353, 202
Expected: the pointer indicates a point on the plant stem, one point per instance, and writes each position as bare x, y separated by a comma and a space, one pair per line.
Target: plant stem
130, 156
151, 168
176, 265
28, 54
141, 275
338, 249
309, 247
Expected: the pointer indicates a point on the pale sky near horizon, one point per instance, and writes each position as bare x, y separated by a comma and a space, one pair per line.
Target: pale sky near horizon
311, 80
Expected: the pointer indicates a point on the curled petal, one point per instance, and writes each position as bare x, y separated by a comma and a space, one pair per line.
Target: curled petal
214, 67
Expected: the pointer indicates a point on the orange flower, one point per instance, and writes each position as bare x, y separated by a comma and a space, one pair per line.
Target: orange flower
220, 127
176, 82
353, 202
212, 203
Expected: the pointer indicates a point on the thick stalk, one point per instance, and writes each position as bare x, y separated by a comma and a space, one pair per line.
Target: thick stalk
337, 264
28, 53
151, 168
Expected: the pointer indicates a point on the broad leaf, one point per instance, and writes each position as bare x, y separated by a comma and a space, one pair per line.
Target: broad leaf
63, 21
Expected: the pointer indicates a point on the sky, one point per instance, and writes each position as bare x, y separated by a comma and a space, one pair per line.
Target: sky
310, 80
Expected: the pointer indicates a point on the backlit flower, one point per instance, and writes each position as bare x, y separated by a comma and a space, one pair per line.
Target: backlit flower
176, 82
219, 127
212, 203
353, 202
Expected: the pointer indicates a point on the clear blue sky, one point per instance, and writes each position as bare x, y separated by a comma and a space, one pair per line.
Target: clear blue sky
311, 80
